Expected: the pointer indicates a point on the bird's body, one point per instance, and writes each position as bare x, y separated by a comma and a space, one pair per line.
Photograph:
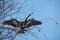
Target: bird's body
15, 23
22, 25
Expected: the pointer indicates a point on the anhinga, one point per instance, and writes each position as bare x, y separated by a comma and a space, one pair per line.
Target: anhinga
24, 24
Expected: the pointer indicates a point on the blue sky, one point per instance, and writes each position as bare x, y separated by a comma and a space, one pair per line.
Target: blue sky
41, 10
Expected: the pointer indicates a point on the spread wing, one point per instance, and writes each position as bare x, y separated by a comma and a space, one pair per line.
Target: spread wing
32, 22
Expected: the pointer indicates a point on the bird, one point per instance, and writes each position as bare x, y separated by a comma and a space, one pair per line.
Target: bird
22, 24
